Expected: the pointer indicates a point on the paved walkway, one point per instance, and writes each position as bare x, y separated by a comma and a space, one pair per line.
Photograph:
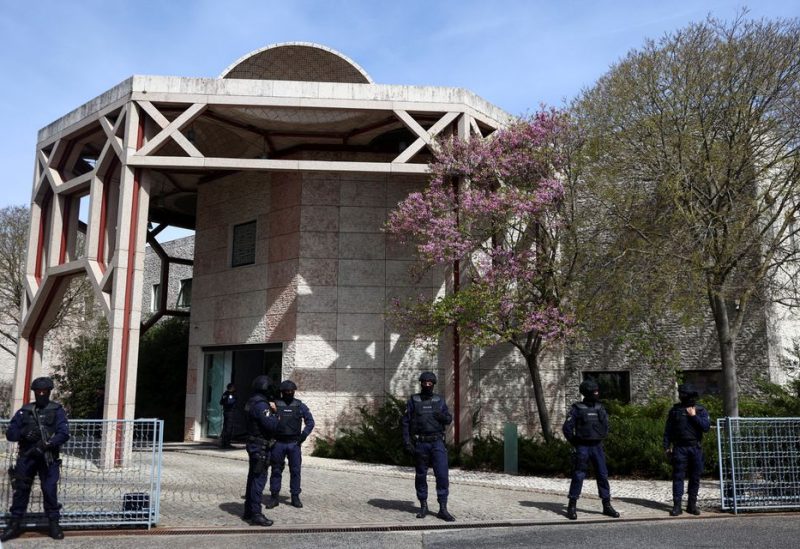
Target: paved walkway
203, 487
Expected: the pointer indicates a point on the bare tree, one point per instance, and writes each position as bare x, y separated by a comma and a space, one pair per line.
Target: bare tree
13, 239
693, 146
13, 243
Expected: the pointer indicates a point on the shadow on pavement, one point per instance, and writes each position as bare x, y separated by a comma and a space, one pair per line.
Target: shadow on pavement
394, 505
556, 508
648, 503
232, 508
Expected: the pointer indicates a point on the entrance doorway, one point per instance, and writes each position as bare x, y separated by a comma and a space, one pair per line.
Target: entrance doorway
238, 365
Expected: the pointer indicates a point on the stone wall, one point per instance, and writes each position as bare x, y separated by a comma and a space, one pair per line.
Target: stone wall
229, 304
697, 349
503, 390
181, 247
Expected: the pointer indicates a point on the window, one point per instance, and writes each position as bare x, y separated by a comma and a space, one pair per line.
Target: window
613, 385
185, 294
155, 297
707, 382
243, 250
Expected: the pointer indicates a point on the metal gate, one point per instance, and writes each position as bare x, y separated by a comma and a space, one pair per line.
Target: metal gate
759, 463
110, 474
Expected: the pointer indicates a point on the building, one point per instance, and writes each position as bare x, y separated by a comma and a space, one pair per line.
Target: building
285, 167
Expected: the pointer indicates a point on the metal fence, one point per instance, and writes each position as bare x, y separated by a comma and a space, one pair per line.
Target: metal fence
110, 474
759, 463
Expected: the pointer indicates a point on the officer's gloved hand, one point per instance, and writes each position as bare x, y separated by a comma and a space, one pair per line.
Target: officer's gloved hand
40, 447
409, 448
32, 435
302, 439
440, 417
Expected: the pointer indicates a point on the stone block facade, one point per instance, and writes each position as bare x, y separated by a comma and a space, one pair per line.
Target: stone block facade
319, 286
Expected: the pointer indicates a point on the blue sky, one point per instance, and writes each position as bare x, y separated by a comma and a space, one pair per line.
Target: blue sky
56, 55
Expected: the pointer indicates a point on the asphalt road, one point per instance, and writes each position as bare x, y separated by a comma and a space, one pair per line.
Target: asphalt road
762, 531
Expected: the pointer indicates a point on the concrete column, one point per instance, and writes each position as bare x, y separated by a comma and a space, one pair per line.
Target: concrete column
126, 297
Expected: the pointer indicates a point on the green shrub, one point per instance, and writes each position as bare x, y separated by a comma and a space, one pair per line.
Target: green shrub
487, 454
82, 373
161, 379
634, 448
378, 439
537, 457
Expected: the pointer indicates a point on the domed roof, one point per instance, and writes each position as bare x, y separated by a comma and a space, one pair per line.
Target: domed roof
302, 61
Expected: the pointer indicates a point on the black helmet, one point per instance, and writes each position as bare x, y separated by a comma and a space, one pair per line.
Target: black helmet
261, 384
42, 383
588, 387
288, 385
687, 390
427, 376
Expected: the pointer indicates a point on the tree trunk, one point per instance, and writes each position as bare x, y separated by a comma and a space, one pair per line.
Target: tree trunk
532, 360
730, 396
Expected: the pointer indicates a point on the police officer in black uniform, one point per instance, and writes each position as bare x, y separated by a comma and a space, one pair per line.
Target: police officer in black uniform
585, 428
40, 428
260, 439
423, 437
683, 433
295, 423
228, 403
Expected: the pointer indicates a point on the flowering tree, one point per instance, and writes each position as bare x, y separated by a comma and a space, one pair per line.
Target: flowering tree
494, 206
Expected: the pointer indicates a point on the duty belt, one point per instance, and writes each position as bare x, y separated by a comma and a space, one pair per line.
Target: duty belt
268, 442
287, 438
428, 438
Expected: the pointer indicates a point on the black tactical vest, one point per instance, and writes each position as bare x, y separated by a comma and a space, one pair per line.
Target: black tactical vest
681, 430
588, 425
290, 418
424, 421
254, 428
47, 417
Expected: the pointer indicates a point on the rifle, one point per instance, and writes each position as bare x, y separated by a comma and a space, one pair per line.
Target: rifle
48, 454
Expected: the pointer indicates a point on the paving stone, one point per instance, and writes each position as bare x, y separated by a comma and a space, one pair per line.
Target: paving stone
203, 486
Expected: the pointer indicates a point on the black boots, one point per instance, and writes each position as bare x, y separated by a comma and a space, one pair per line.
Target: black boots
608, 510
54, 529
296, 501
12, 530
443, 513
572, 511
260, 520
272, 501
423, 509
676, 508
691, 506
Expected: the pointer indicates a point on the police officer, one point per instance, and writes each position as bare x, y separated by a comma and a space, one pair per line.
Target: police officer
686, 423
295, 423
423, 437
260, 438
585, 428
228, 403
40, 428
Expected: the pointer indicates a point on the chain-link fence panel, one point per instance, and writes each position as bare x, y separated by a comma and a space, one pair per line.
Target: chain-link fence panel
110, 474
759, 463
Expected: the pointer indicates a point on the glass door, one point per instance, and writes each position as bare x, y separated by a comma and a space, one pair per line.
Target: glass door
215, 375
